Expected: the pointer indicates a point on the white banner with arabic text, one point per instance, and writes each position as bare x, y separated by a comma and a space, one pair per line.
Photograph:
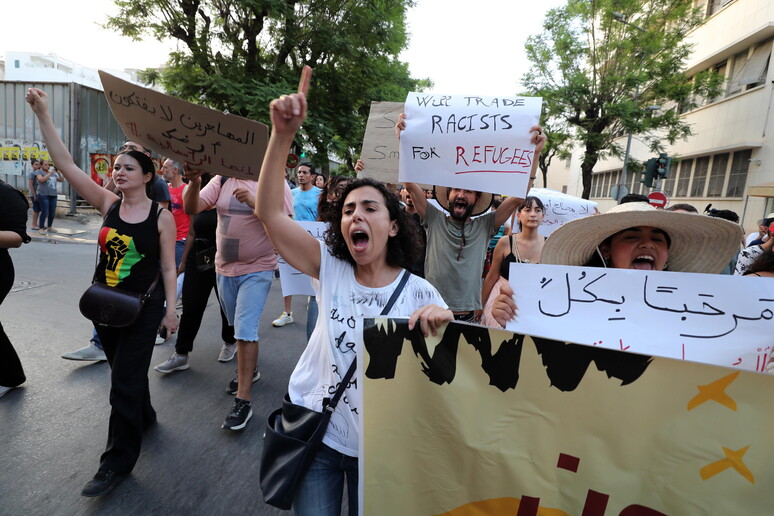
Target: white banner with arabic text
710, 318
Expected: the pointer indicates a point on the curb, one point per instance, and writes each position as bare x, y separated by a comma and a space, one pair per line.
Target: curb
57, 239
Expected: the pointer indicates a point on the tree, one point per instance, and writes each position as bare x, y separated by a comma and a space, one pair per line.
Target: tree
237, 55
559, 134
587, 66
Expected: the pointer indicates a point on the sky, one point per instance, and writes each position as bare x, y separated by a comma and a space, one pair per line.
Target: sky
463, 47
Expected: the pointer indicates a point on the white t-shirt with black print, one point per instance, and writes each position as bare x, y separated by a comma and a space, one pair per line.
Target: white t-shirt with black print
332, 347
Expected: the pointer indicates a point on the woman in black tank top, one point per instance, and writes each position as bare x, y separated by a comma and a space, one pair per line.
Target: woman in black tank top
136, 244
524, 247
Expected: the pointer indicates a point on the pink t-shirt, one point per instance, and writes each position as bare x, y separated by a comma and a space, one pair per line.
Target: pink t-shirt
182, 220
243, 245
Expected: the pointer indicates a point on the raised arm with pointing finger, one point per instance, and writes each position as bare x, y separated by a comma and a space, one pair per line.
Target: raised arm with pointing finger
300, 249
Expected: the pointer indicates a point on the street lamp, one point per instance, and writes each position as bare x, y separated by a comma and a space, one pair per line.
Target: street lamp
621, 18
620, 190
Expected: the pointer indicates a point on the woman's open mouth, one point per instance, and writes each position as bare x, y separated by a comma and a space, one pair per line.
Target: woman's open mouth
359, 240
644, 263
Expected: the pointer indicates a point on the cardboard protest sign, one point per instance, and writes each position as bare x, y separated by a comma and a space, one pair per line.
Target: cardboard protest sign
294, 282
711, 318
478, 421
478, 143
560, 209
380, 145
204, 138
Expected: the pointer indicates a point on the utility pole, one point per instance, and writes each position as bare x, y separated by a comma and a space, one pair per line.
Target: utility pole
620, 190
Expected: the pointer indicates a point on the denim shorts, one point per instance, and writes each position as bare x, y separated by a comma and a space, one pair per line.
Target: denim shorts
242, 299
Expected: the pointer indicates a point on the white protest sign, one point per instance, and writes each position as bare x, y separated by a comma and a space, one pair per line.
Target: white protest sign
294, 282
710, 318
560, 209
467, 141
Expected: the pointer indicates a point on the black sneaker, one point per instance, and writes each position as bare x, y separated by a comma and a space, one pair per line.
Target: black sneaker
102, 483
234, 384
239, 415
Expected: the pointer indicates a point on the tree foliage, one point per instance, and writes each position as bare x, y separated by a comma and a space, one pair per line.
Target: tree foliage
237, 55
588, 67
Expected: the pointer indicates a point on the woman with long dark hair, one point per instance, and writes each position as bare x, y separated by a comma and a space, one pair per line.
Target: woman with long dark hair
137, 251
524, 247
369, 244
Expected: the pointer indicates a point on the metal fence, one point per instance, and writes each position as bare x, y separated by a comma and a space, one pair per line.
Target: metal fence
81, 116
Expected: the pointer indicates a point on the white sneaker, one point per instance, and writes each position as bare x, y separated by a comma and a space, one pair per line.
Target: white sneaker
174, 363
282, 320
227, 352
90, 353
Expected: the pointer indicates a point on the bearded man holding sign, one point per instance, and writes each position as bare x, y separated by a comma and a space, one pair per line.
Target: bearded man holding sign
457, 242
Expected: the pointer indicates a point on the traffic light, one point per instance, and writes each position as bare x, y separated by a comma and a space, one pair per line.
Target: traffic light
662, 165
650, 172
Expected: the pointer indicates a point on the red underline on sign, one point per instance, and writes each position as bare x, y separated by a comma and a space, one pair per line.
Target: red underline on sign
491, 172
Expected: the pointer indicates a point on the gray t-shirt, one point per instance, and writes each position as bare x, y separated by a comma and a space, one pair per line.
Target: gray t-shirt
31, 177
48, 187
455, 270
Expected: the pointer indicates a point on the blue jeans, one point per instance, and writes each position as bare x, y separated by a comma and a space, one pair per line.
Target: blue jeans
321, 490
311, 316
95, 339
179, 248
47, 210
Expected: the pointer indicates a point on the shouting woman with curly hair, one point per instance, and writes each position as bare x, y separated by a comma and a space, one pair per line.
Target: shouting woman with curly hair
369, 244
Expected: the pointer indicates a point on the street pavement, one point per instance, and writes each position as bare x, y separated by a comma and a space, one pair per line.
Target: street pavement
54, 427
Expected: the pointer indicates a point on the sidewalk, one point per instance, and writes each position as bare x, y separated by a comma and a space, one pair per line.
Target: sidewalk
81, 228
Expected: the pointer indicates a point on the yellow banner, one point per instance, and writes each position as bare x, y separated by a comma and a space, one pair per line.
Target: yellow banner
480, 421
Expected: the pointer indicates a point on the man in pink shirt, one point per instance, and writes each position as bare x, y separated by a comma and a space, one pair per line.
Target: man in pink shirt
244, 263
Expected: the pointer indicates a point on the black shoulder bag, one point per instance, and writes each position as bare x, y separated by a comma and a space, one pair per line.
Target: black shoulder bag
294, 434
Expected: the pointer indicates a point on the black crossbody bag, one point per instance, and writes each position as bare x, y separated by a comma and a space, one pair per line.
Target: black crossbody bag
294, 434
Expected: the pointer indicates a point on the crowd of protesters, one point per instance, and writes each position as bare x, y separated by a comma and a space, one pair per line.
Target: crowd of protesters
211, 232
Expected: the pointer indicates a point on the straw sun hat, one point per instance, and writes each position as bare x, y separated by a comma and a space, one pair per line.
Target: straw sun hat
698, 243
482, 204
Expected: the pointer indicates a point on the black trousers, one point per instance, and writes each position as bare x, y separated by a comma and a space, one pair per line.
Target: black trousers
129, 351
197, 286
11, 371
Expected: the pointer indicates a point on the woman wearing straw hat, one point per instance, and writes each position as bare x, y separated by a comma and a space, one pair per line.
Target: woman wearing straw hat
636, 236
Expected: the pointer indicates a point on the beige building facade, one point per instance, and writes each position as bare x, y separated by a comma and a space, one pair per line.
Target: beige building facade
729, 160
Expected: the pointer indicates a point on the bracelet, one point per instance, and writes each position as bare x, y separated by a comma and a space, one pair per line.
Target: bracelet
533, 177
